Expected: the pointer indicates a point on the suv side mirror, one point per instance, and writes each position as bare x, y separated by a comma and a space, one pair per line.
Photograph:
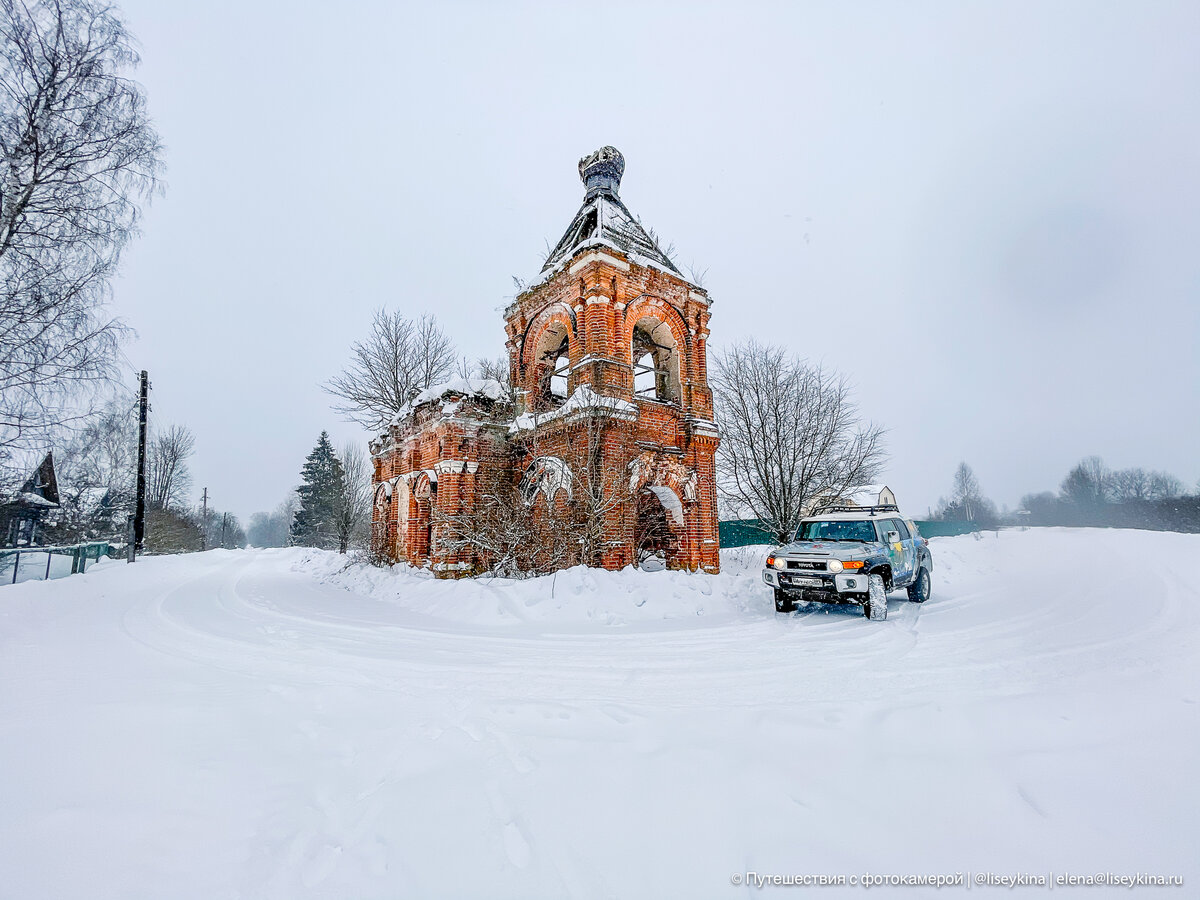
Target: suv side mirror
893, 537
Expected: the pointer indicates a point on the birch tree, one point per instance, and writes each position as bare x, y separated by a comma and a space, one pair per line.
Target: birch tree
78, 157
353, 513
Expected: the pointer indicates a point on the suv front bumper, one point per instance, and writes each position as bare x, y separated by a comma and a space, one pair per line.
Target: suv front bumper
796, 583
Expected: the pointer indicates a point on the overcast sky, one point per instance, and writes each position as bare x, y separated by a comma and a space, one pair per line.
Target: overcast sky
986, 214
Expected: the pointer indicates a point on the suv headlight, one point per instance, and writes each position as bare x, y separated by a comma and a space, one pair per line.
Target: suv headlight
835, 565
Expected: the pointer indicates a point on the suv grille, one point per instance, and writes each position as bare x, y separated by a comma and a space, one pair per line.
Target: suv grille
806, 564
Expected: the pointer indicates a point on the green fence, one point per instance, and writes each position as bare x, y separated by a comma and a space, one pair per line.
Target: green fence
744, 532
39, 563
946, 529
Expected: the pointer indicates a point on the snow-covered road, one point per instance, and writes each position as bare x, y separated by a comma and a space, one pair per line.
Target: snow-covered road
264, 724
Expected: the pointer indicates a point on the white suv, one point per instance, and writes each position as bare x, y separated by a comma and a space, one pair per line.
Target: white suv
851, 556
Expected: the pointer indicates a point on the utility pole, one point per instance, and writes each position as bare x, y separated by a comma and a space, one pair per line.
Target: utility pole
204, 522
139, 513
224, 521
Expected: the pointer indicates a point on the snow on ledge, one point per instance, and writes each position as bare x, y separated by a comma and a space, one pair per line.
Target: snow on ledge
583, 401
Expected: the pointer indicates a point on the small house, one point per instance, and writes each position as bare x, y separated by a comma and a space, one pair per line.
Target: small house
24, 515
861, 497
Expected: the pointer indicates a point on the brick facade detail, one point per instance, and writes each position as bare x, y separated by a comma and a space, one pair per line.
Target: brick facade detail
628, 330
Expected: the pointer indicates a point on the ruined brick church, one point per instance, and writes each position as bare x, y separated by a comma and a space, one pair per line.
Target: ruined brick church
608, 405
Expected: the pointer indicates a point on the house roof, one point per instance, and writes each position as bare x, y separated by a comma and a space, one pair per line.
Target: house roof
603, 220
41, 488
865, 494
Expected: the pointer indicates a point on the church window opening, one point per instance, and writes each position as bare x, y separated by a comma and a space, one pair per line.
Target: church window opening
655, 361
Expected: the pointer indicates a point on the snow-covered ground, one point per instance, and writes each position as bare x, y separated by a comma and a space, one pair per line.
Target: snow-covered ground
269, 724
31, 566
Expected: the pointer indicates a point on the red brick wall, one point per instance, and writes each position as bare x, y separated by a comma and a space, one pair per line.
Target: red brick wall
598, 298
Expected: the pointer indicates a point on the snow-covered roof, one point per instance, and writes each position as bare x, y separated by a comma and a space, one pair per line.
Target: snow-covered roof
866, 494
28, 498
40, 489
603, 220
478, 388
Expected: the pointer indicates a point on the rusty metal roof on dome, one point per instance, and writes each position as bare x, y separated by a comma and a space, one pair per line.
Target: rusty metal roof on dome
604, 220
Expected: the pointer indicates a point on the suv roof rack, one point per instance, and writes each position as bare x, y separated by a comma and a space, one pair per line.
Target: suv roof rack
869, 510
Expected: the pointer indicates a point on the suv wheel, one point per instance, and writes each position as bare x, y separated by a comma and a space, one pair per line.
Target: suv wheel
918, 591
876, 607
783, 603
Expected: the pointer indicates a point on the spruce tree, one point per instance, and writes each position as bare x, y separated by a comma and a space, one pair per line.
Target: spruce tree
321, 495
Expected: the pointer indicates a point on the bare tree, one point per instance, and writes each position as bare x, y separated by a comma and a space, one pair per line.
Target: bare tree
558, 512
168, 478
273, 529
967, 502
966, 487
484, 368
77, 155
1130, 484
353, 513
287, 511
790, 434
1164, 486
222, 530
1139, 484
264, 531
400, 358
512, 532
496, 369
96, 470
1089, 484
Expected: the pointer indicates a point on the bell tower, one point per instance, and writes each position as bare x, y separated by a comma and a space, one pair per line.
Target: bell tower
611, 329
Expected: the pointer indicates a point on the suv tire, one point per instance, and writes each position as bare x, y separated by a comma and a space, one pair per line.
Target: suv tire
783, 603
876, 606
918, 591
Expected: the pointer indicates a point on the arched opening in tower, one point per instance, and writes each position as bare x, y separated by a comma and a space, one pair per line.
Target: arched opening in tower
655, 361
553, 361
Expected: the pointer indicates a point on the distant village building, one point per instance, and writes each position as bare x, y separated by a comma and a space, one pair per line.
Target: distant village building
608, 367
25, 514
855, 498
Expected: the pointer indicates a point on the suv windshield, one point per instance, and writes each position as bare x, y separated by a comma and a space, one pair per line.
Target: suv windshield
837, 531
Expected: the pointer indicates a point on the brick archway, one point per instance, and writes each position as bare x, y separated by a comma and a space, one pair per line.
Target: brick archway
650, 307
557, 312
646, 318
659, 529
420, 518
551, 332
383, 524
660, 482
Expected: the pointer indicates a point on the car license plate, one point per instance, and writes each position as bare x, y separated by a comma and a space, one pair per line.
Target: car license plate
800, 581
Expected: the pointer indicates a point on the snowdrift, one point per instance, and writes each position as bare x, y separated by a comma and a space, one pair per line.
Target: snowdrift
279, 724
579, 597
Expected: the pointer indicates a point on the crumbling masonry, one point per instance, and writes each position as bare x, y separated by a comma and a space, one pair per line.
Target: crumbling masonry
608, 370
